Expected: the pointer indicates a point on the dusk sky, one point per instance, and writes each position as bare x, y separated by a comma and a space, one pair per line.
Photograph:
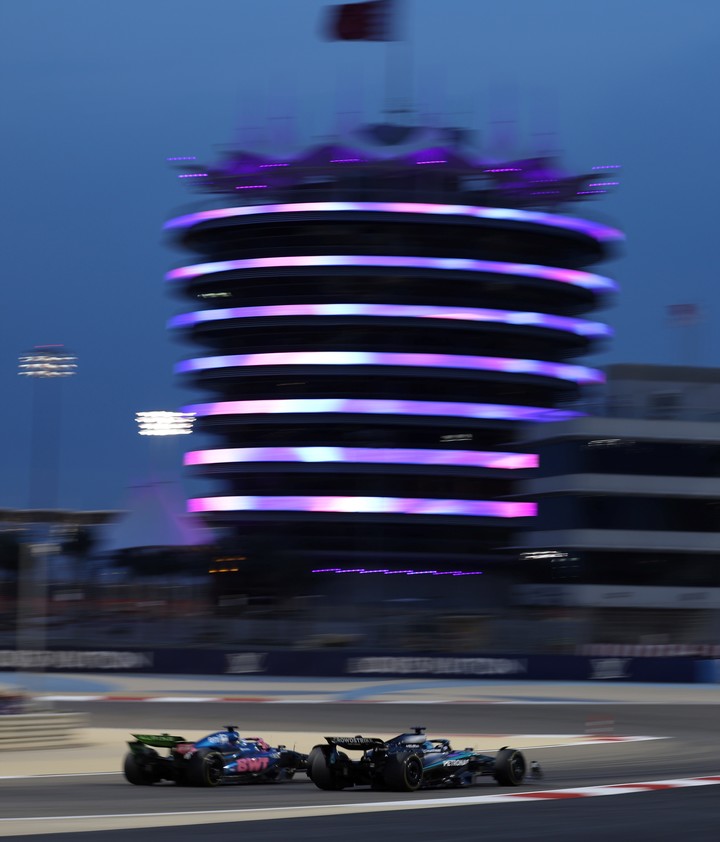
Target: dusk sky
96, 95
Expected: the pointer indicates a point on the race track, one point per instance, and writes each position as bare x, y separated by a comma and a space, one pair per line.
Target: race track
83, 806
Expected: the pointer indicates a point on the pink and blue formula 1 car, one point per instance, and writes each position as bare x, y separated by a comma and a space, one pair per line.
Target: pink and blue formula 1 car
223, 757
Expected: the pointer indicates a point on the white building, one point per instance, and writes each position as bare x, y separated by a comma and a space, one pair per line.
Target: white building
627, 535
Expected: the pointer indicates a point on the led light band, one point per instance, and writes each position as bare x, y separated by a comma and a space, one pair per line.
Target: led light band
365, 406
579, 327
365, 505
599, 232
389, 572
574, 277
363, 455
507, 365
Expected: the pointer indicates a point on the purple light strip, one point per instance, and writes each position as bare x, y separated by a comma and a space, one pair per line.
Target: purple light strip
609, 167
194, 175
384, 571
438, 161
363, 455
371, 406
603, 233
580, 327
506, 365
251, 186
365, 505
586, 280
345, 160
183, 158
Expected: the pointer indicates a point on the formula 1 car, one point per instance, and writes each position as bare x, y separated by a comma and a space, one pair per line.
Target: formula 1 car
411, 761
219, 758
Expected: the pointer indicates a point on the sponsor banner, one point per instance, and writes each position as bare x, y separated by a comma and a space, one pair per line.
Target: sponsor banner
72, 660
434, 665
708, 671
660, 670
613, 596
530, 667
354, 663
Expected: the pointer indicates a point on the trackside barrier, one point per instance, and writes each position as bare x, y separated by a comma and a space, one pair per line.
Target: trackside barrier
338, 662
708, 672
41, 730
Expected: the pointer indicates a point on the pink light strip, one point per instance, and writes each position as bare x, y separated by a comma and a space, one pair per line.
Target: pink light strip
365, 505
603, 233
506, 365
363, 455
386, 572
586, 280
365, 406
580, 327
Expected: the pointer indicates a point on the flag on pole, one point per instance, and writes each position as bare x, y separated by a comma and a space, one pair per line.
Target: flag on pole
371, 20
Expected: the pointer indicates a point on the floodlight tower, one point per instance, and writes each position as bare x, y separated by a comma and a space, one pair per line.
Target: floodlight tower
163, 423
47, 366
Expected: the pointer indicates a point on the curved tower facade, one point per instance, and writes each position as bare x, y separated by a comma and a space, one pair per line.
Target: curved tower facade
370, 323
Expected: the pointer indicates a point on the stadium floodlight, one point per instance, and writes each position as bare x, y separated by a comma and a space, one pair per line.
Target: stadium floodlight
47, 361
164, 423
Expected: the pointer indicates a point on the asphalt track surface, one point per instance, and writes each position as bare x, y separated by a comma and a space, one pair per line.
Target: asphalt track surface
691, 750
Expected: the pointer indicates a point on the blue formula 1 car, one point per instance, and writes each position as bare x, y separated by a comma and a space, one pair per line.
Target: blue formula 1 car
223, 757
411, 761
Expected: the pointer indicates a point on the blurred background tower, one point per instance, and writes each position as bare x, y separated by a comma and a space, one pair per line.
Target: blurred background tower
47, 366
376, 317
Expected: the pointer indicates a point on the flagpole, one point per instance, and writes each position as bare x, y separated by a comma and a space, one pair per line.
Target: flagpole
398, 63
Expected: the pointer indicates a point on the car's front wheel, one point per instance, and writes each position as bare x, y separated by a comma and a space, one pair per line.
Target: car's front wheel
510, 767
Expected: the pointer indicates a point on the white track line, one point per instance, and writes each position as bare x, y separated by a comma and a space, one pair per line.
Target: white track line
379, 806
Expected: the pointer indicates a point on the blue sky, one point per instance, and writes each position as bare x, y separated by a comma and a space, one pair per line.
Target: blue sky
97, 94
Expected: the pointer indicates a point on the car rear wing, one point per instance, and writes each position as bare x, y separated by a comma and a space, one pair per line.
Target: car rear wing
159, 740
357, 743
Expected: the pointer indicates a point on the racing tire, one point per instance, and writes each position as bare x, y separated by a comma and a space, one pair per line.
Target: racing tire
327, 775
205, 768
510, 767
138, 773
314, 751
403, 772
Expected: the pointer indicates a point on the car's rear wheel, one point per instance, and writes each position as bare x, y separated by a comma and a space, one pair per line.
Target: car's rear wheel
328, 769
314, 751
510, 767
140, 770
205, 768
403, 772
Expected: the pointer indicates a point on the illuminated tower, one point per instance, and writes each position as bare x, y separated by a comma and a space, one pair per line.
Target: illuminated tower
47, 366
371, 323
